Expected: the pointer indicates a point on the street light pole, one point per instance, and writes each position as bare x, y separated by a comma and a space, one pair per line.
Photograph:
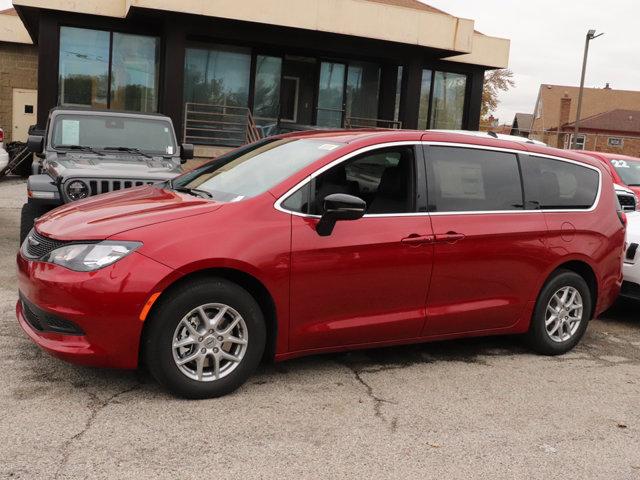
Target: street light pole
591, 34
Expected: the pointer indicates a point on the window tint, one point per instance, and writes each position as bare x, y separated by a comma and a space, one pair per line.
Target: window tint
465, 180
382, 178
555, 184
299, 200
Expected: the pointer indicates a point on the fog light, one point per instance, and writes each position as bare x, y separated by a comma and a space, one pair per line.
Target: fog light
77, 190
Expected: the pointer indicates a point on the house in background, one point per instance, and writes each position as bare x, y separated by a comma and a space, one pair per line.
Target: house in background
219, 67
556, 107
521, 125
18, 78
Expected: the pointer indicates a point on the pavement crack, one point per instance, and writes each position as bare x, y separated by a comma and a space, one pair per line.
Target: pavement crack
378, 401
95, 406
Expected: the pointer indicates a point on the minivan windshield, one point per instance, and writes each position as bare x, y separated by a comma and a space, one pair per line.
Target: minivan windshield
252, 170
629, 171
109, 132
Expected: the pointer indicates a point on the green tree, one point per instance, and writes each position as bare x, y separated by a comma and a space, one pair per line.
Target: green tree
495, 82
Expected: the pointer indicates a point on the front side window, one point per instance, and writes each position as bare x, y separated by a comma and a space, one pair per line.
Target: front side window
254, 169
467, 180
382, 178
556, 184
88, 58
102, 132
628, 170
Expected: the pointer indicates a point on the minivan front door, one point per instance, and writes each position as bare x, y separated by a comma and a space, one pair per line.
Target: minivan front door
367, 281
489, 251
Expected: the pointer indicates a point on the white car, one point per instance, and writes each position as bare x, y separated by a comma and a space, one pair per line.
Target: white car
4, 156
631, 269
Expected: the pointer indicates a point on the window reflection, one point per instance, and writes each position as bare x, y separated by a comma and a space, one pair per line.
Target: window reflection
218, 76
425, 95
363, 86
266, 103
83, 67
448, 100
134, 73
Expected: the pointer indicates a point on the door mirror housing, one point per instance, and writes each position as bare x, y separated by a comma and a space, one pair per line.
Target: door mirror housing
337, 207
186, 152
35, 144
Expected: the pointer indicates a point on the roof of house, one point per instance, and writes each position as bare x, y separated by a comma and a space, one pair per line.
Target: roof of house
523, 121
9, 11
619, 120
595, 100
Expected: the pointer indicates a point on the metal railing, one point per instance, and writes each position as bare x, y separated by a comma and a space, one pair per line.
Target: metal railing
224, 125
362, 122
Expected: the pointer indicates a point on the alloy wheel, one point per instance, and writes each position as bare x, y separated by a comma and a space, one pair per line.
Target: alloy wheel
564, 314
210, 342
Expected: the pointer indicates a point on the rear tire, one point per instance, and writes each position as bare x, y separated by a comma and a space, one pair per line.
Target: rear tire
217, 375
28, 216
556, 325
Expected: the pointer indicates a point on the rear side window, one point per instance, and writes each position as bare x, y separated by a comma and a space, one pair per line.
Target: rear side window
558, 185
471, 180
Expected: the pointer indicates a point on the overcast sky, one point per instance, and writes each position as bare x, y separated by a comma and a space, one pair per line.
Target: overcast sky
547, 41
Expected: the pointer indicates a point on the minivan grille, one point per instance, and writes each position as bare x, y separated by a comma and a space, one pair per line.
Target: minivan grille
45, 322
38, 246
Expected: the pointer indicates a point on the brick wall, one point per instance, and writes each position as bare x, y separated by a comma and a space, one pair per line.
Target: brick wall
596, 141
18, 69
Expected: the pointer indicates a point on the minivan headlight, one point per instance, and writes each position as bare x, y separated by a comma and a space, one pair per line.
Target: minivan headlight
86, 257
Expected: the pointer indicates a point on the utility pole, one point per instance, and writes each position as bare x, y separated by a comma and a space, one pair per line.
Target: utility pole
591, 34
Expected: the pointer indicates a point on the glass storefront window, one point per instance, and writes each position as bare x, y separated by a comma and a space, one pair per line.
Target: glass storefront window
425, 95
88, 57
218, 76
331, 94
266, 96
449, 91
363, 87
134, 73
396, 114
84, 67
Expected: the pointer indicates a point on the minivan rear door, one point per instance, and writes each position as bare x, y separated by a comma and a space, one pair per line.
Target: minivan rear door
489, 250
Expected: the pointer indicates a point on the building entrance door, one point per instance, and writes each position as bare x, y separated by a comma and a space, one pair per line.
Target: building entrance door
331, 94
25, 110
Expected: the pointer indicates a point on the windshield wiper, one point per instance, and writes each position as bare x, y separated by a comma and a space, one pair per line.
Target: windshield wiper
83, 148
194, 191
130, 150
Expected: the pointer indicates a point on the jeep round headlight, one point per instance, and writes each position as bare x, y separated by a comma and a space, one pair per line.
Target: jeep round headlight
77, 190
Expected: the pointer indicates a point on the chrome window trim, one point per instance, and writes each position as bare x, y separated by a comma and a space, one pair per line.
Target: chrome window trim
278, 204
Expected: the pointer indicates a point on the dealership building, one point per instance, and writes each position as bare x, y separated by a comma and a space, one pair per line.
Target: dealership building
225, 69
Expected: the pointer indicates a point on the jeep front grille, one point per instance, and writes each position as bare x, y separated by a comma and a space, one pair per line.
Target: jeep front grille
100, 185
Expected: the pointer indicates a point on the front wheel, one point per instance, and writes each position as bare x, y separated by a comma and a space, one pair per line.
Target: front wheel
561, 314
205, 339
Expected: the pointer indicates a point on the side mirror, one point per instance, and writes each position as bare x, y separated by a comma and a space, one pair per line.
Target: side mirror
35, 144
186, 152
339, 206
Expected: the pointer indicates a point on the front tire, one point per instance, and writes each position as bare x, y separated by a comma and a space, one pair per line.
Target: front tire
561, 315
28, 216
205, 339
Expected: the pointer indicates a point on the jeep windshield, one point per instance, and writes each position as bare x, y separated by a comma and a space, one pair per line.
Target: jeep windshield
116, 134
254, 169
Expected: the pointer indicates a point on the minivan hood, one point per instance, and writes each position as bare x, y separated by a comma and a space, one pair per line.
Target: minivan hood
100, 217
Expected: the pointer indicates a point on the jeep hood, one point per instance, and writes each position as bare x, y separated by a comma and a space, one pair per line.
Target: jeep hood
98, 218
112, 166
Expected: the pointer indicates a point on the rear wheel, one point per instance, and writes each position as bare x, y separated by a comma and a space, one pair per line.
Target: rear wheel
561, 315
205, 339
28, 216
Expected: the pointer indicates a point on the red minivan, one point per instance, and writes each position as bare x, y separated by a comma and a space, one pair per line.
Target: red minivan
322, 242
625, 170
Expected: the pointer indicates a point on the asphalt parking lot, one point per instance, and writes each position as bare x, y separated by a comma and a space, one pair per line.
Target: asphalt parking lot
482, 408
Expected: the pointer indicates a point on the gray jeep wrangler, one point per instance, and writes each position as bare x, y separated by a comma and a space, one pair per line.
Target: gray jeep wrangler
88, 152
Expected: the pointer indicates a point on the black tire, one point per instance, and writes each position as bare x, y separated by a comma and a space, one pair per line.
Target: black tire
28, 215
167, 314
537, 337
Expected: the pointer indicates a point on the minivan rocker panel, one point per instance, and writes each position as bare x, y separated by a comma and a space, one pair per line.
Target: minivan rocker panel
406, 271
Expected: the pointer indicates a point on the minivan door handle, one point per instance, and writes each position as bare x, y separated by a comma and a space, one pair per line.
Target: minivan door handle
416, 239
449, 237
